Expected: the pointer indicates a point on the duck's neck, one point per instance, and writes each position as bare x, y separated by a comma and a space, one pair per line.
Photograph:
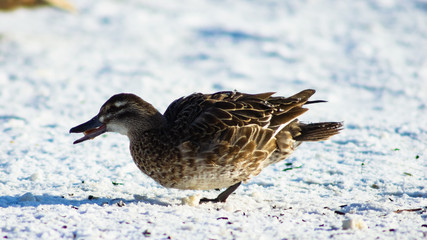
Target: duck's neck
157, 121
154, 122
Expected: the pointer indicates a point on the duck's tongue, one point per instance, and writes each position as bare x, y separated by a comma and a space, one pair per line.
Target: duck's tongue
91, 134
90, 129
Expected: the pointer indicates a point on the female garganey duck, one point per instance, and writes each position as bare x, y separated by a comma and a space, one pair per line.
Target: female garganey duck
209, 141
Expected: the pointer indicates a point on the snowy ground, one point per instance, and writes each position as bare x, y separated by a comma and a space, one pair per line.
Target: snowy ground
367, 58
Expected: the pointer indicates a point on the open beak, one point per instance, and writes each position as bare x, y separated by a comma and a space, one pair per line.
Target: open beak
90, 129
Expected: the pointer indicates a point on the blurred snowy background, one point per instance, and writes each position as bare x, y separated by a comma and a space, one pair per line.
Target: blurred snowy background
367, 58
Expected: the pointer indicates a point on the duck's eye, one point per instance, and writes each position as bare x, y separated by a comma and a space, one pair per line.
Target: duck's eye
114, 110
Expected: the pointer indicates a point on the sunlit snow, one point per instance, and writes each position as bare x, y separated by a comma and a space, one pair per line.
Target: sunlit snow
368, 59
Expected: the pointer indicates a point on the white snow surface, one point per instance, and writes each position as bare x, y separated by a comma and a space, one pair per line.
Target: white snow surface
367, 58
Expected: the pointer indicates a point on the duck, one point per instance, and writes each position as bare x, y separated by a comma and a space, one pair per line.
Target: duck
209, 141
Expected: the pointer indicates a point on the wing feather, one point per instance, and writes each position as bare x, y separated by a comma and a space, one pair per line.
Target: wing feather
200, 116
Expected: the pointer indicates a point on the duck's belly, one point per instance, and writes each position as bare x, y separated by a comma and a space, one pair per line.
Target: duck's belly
196, 171
200, 176
204, 178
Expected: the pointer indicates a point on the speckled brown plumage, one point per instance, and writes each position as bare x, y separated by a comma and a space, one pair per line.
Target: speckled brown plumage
208, 141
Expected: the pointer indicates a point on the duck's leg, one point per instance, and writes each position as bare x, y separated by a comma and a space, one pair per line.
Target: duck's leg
222, 196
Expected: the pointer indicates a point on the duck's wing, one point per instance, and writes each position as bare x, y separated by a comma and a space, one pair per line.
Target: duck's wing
199, 116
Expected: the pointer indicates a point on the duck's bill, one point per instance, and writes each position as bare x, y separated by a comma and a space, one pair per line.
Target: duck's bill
90, 129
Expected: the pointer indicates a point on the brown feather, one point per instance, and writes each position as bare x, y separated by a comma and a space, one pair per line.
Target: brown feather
287, 116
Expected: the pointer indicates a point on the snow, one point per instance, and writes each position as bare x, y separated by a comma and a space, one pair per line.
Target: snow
367, 58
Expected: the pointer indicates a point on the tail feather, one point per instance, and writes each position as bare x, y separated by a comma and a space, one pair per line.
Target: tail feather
318, 131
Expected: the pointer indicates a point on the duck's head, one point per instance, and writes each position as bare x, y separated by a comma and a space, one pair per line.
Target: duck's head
124, 113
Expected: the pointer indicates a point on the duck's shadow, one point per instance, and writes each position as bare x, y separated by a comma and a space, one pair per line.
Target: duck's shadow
29, 200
